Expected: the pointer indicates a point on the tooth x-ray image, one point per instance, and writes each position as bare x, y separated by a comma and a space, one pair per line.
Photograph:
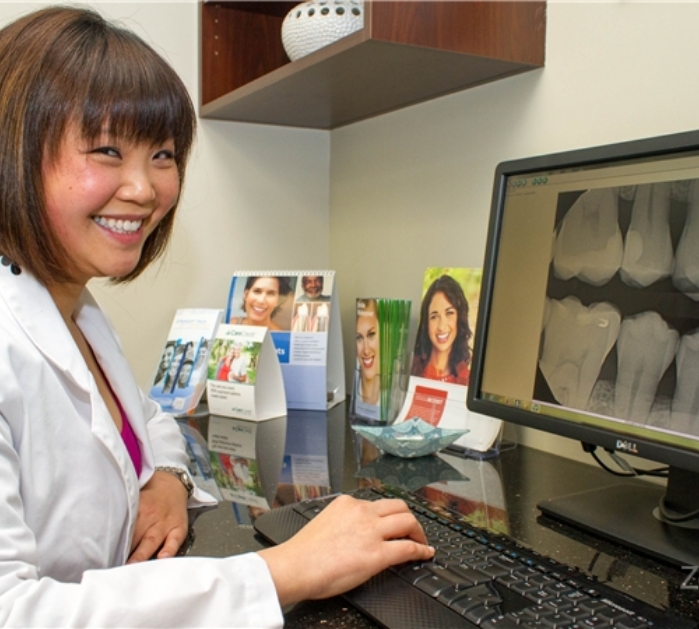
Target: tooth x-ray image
620, 329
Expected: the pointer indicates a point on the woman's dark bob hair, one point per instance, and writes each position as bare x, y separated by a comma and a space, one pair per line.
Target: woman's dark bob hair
61, 66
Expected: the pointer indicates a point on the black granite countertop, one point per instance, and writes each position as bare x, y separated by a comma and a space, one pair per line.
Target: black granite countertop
508, 488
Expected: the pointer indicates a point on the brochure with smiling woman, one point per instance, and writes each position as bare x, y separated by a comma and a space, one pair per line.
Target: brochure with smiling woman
442, 358
300, 309
381, 337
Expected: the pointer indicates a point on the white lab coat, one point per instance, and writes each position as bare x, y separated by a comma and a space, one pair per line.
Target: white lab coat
69, 492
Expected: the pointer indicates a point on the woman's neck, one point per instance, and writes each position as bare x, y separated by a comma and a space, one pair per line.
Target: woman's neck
66, 297
440, 361
371, 389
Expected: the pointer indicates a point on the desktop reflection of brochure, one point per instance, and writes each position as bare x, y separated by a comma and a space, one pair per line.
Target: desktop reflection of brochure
440, 370
180, 377
246, 458
199, 457
478, 497
301, 311
305, 470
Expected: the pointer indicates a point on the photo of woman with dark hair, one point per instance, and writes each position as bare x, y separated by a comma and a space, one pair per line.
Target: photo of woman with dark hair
442, 346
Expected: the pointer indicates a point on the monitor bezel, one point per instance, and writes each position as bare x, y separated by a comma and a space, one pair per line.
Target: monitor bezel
654, 147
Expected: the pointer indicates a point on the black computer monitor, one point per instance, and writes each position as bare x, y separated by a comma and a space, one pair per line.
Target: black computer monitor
588, 325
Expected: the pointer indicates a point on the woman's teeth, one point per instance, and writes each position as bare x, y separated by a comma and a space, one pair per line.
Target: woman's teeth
118, 225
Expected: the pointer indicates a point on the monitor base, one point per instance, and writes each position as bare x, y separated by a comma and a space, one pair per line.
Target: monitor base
623, 514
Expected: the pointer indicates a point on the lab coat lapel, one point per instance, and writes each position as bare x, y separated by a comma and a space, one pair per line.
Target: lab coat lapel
34, 309
105, 346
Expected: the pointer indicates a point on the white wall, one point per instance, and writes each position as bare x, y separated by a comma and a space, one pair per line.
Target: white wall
381, 200
411, 189
255, 197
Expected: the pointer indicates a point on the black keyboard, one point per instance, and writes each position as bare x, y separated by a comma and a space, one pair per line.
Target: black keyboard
477, 579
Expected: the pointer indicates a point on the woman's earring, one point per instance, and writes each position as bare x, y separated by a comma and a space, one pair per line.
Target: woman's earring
14, 268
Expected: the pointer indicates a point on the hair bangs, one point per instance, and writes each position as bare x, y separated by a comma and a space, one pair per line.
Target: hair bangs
136, 98
69, 69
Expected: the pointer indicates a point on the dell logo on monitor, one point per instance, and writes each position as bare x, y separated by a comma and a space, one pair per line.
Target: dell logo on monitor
626, 446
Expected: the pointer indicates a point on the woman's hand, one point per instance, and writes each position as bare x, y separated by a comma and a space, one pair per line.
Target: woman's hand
349, 542
161, 524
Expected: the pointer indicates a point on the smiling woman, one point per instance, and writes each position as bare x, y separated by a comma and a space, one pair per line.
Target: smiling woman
441, 349
95, 130
263, 297
125, 191
368, 347
77, 104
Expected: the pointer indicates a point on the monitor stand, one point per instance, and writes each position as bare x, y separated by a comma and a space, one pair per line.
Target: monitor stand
627, 514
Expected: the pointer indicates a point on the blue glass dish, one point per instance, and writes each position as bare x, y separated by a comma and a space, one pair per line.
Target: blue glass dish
411, 438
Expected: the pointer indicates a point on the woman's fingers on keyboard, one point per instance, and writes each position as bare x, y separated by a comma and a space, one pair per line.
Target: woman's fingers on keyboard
404, 550
402, 525
387, 506
350, 541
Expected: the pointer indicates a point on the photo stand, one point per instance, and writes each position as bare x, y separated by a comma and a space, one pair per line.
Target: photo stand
179, 380
245, 379
305, 329
437, 386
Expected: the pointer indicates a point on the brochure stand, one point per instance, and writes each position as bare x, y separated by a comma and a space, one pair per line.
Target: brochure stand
180, 377
245, 380
440, 370
302, 312
381, 334
246, 458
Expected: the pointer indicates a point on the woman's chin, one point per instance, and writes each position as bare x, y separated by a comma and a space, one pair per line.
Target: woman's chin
443, 348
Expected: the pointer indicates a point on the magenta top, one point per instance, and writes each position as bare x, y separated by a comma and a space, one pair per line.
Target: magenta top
130, 441
127, 433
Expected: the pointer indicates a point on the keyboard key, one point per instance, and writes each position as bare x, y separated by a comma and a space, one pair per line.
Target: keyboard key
593, 606
576, 614
470, 574
433, 585
558, 588
631, 623
493, 570
523, 588
612, 615
501, 622
540, 596
594, 622
507, 562
537, 613
485, 596
480, 614
557, 621
558, 604
541, 580
413, 573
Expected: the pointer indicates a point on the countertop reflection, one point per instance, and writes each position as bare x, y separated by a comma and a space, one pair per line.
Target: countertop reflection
315, 453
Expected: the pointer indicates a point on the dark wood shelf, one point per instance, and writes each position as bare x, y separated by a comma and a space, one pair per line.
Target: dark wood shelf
407, 52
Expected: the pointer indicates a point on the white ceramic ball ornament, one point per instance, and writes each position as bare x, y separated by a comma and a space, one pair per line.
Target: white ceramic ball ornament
312, 25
